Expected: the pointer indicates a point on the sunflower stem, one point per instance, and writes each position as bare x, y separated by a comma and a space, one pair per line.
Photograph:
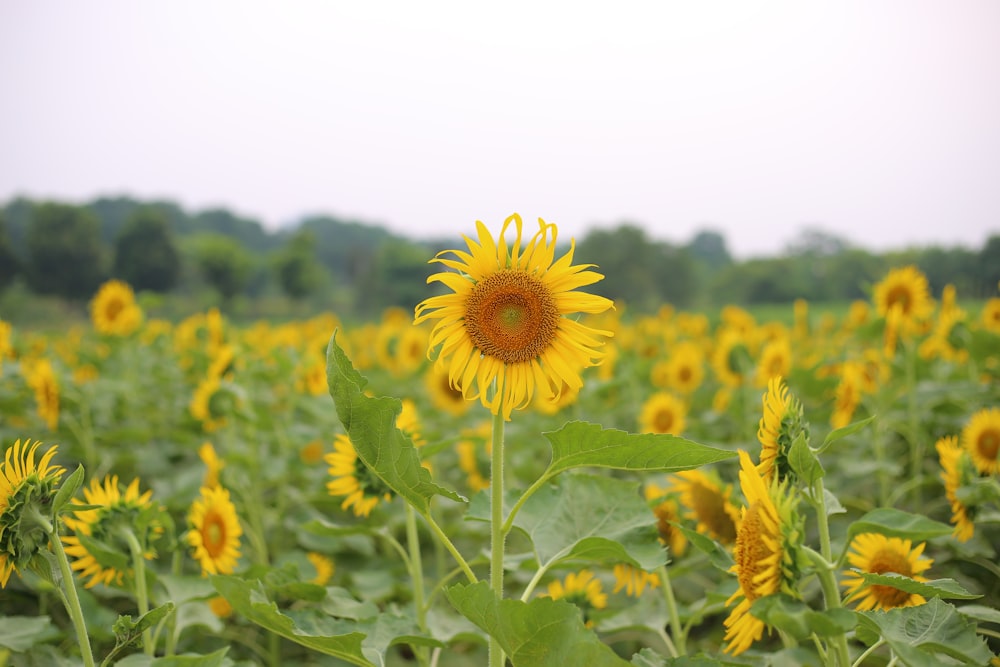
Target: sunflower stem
912, 418
530, 491
825, 573
141, 594
822, 521
417, 577
72, 600
871, 649
496, 524
676, 629
450, 546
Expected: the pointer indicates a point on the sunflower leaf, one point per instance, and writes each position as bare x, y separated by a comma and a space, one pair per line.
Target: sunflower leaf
213, 659
897, 523
917, 634
67, 490
582, 444
842, 432
371, 424
19, 633
540, 632
800, 621
936, 588
592, 518
716, 553
803, 460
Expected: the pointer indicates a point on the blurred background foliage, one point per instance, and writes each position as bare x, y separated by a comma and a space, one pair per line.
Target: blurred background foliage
54, 255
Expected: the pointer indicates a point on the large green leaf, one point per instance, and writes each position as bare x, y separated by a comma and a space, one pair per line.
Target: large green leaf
581, 444
797, 619
936, 588
592, 518
538, 633
897, 523
917, 634
213, 659
647, 658
19, 633
371, 424
842, 432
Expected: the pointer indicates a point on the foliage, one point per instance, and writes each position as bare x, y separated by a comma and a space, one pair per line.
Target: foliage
223, 262
146, 255
65, 255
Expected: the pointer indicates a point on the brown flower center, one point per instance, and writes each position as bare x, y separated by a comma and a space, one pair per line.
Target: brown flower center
113, 307
750, 551
511, 316
710, 507
890, 560
988, 444
213, 533
900, 294
663, 421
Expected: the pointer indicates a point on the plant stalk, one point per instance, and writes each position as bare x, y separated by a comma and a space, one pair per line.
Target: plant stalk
496, 526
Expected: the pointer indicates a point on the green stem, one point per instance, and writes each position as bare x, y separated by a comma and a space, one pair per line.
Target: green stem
539, 483
141, 594
73, 600
912, 418
539, 573
831, 594
676, 629
450, 546
871, 649
417, 577
171, 644
496, 525
822, 521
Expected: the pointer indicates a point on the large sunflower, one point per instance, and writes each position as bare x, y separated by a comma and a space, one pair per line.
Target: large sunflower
114, 511
956, 470
764, 554
23, 483
906, 290
878, 554
114, 310
662, 413
215, 531
505, 327
981, 438
352, 479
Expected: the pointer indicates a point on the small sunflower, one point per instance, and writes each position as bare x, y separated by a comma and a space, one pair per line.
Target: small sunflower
956, 470
215, 531
116, 511
114, 310
847, 395
25, 487
663, 413
324, 568
633, 580
775, 360
707, 502
765, 554
42, 379
878, 554
981, 439
213, 464
312, 377
779, 426
731, 359
685, 370
506, 323
667, 511
582, 589
408, 421
990, 317
6, 347
352, 479
443, 395
904, 288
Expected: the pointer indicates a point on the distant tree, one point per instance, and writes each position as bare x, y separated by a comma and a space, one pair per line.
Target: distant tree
10, 266
954, 266
65, 254
817, 242
989, 266
224, 263
709, 247
397, 277
146, 254
250, 233
296, 266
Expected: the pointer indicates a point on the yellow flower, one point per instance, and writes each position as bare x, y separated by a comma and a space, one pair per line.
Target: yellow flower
667, 512
215, 531
116, 511
878, 554
731, 359
956, 469
408, 421
220, 606
685, 370
708, 503
981, 439
213, 464
775, 360
906, 289
582, 589
324, 568
468, 460
24, 483
42, 379
847, 395
633, 580
777, 429
764, 554
114, 310
353, 480
506, 322
990, 317
662, 413
443, 395
6, 347
312, 452
312, 377
208, 403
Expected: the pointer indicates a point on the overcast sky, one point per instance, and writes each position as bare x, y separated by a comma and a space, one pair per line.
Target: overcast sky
876, 120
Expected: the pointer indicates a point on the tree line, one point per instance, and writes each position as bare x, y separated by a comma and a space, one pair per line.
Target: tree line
358, 269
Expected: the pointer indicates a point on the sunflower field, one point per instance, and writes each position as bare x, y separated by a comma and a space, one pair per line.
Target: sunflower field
519, 471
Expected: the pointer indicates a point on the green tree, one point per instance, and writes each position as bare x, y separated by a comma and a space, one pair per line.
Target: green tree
65, 254
709, 247
397, 276
989, 266
224, 263
146, 255
298, 271
10, 266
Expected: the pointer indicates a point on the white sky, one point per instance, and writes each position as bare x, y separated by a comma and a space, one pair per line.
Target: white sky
877, 120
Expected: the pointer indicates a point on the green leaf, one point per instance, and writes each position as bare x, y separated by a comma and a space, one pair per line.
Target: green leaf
981, 613
251, 602
800, 621
803, 461
582, 444
67, 490
897, 523
716, 553
935, 588
648, 658
842, 432
592, 518
916, 634
540, 632
371, 425
19, 633
213, 659
325, 528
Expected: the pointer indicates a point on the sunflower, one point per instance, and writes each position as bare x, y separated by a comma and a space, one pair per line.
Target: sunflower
42, 379
324, 568
981, 439
765, 554
24, 485
312, 377
215, 531
6, 347
633, 580
115, 511
847, 396
667, 512
777, 429
468, 460
775, 360
353, 480
210, 402
505, 325
707, 502
408, 421
685, 369
582, 589
731, 358
662, 413
213, 464
114, 310
311, 452
956, 470
990, 317
875, 553
444, 397
904, 289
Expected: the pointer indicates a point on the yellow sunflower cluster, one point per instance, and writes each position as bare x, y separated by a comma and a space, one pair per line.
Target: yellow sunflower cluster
114, 311
966, 460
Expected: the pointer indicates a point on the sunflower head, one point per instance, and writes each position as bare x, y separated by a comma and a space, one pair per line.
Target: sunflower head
582, 589
27, 488
215, 531
42, 379
708, 503
504, 334
444, 396
633, 580
775, 360
731, 359
99, 539
957, 470
662, 413
981, 439
324, 567
351, 478
114, 311
877, 554
766, 555
668, 512
990, 317
906, 291
781, 423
